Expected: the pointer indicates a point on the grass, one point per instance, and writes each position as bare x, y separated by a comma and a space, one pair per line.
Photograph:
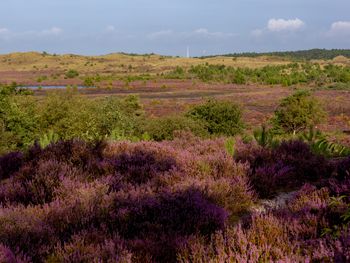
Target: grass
120, 63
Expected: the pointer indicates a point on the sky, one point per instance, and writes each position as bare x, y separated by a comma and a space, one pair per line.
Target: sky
168, 27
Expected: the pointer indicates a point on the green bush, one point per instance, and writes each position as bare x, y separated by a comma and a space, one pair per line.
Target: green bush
286, 75
71, 74
298, 112
18, 118
163, 128
73, 116
89, 82
219, 117
25, 119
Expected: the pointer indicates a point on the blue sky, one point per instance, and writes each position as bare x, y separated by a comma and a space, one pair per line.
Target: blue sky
169, 26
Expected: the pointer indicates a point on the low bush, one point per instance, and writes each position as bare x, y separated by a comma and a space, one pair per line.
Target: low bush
297, 232
173, 201
288, 166
71, 74
164, 128
297, 112
76, 200
219, 117
64, 115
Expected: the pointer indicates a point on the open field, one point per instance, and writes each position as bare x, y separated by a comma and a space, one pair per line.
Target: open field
45, 69
163, 159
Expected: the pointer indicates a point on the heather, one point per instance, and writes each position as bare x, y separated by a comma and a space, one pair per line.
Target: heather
186, 200
136, 201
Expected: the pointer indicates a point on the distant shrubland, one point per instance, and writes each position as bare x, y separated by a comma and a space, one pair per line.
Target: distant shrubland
300, 55
286, 75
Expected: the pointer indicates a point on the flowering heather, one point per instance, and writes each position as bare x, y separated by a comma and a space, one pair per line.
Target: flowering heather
185, 200
286, 167
9, 164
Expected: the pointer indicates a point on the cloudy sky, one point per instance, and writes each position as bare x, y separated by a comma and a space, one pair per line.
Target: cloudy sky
169, 26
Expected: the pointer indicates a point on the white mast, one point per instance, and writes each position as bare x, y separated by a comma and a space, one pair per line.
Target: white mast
188, 52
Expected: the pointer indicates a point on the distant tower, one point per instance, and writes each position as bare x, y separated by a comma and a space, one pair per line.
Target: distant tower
188, 52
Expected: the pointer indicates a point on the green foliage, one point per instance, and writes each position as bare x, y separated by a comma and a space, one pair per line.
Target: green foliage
286, 75
71, 74
163, 128
264, 137
177, 73
124, 115
297, 55
327, 148
298, 112
230, 146
18, 117
48, 138
311, 135
219, 117
64, 115
90, 120
89, 82
338, 86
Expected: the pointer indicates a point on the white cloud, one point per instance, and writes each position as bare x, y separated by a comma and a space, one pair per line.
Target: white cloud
4, 31
110, 28
340, 28
206, 33
277, 25
51, 32
54, 31
161, 34
257, 33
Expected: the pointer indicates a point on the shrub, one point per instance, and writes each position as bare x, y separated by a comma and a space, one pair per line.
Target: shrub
34, 184
219, 117
6, 255
9, 164
170, 216
297, 113
69, 116
71, 74
184, 200
92, 247
164, 128
289, 165
140, 166
264, 137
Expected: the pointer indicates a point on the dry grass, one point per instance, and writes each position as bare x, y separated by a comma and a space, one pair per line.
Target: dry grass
119, 63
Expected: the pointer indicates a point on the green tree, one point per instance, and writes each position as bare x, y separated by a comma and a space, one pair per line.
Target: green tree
297, 113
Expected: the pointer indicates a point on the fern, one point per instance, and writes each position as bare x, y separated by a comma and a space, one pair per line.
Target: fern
48, 138
263, 136
326, 147
230, 146
311, 136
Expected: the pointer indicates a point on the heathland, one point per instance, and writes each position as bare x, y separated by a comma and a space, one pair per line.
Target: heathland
149, 158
